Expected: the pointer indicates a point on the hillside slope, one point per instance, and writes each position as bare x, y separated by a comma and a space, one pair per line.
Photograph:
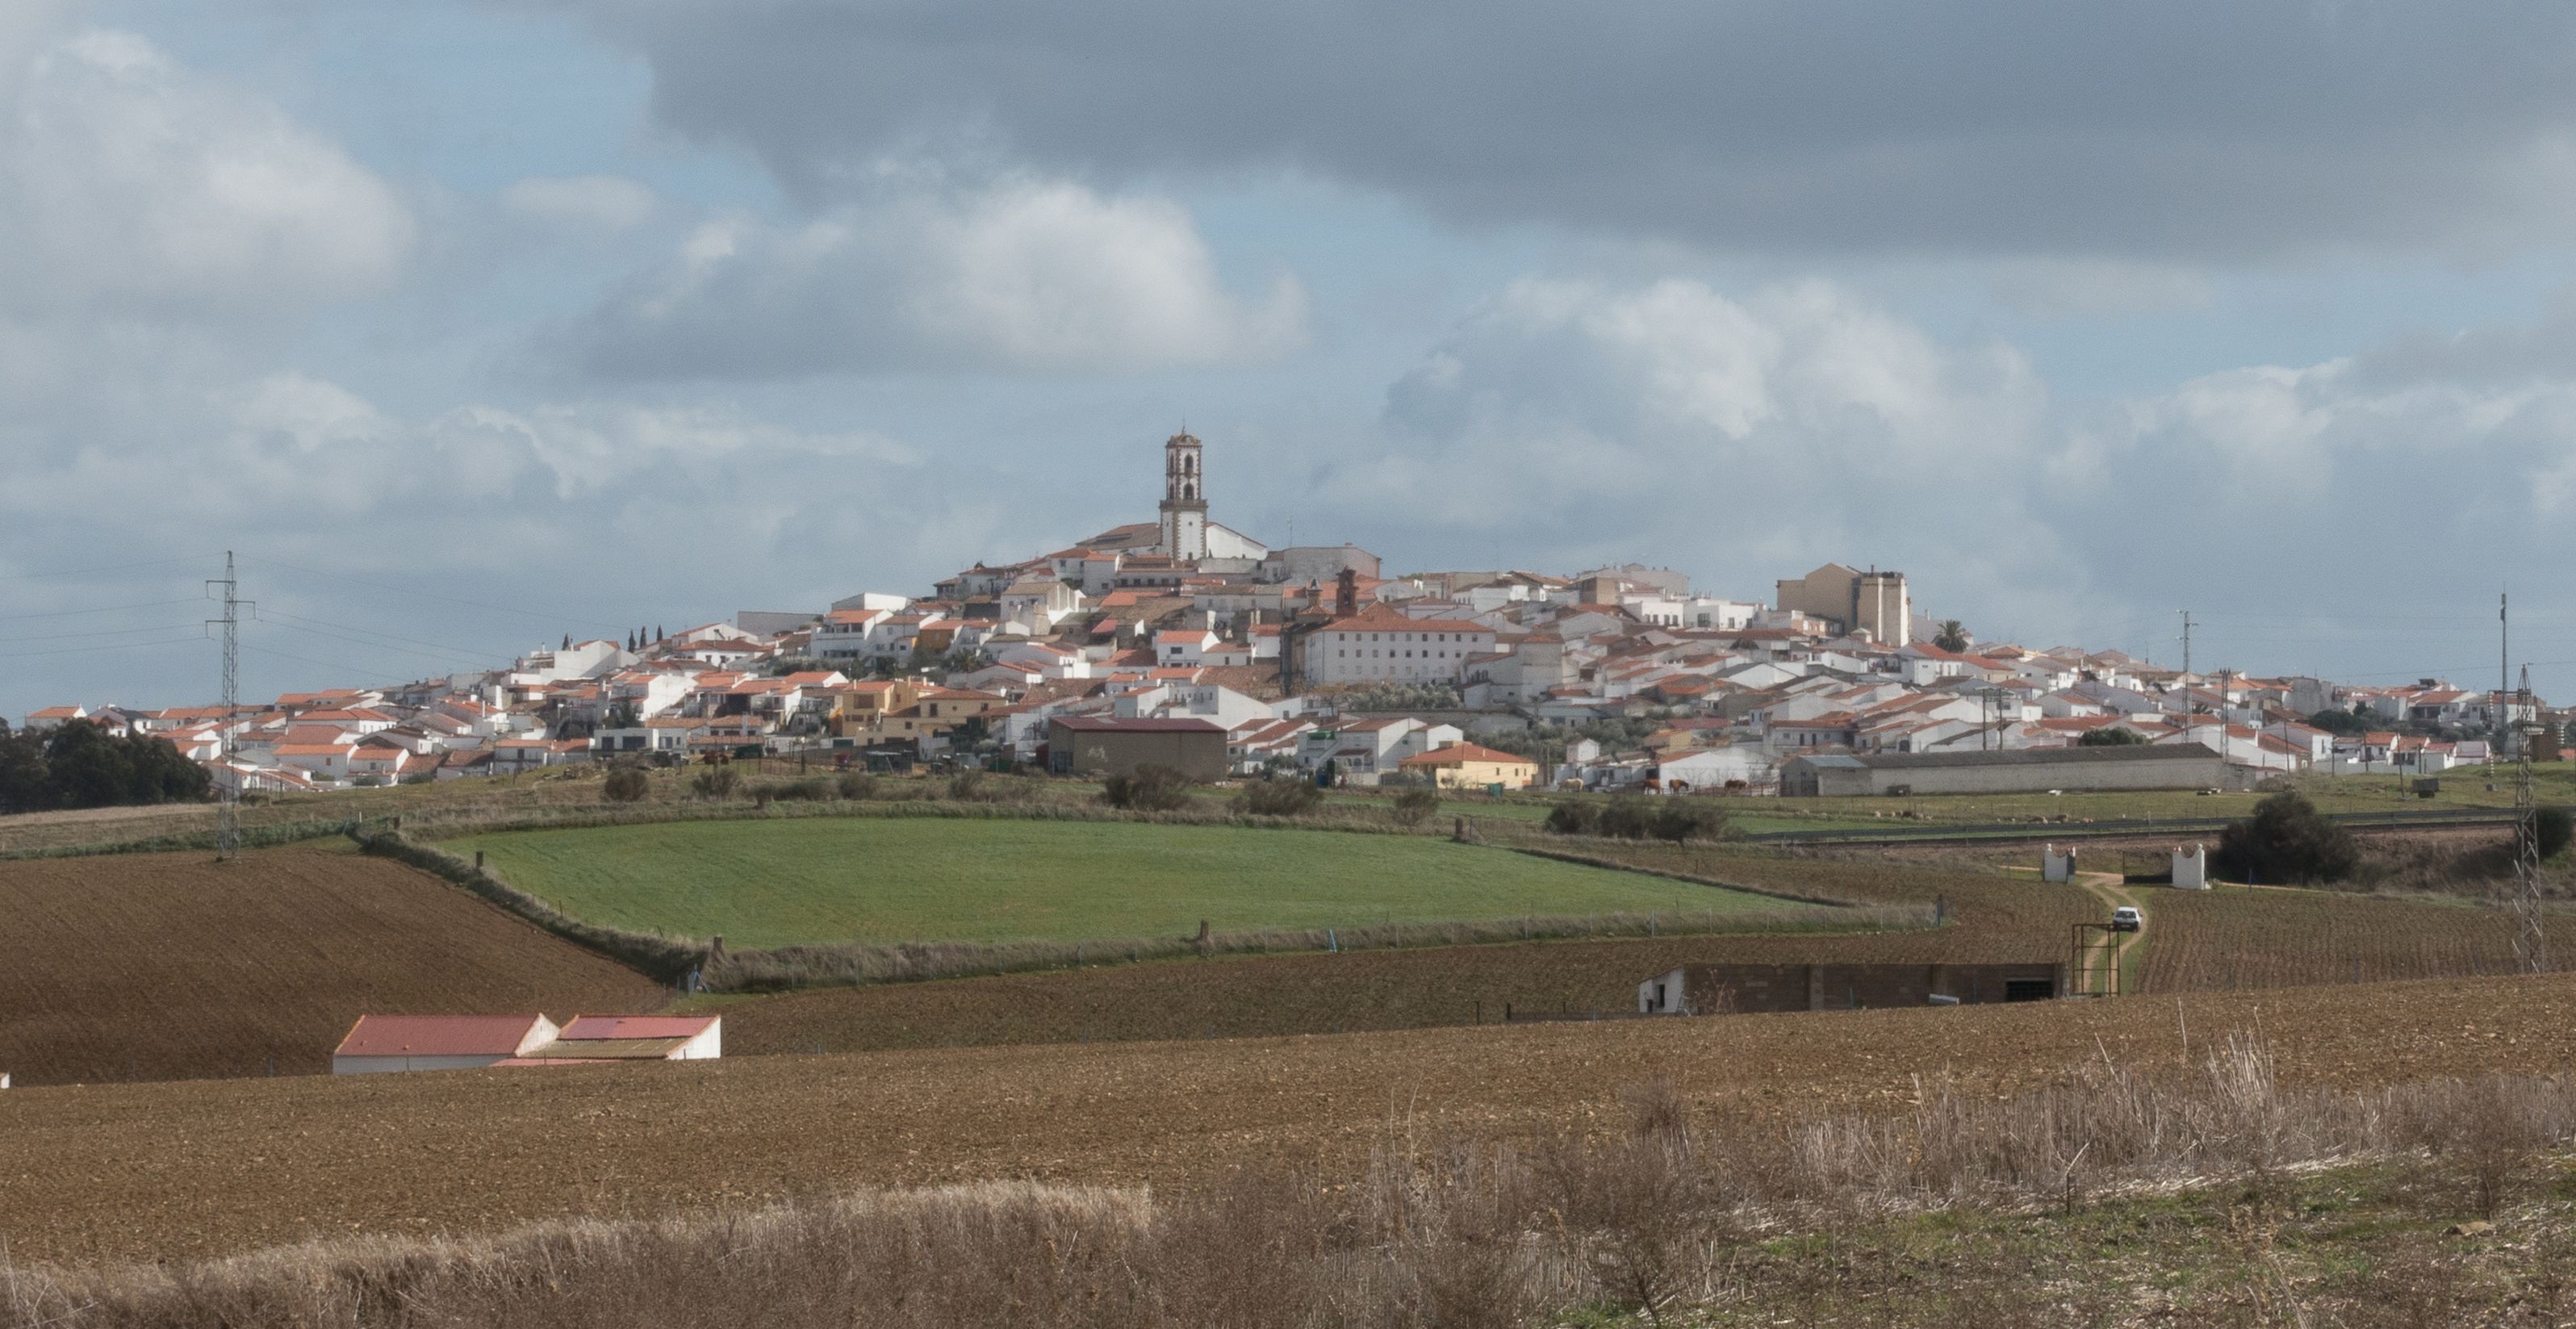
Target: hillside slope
172, 966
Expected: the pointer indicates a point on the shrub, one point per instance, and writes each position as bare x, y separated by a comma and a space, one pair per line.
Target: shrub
1627, 817
812, 790
2555, 827
966, 785
1416, 806
1574, 816
715, 782
626, 784
1680, 819
1279, 796
1148, 789
2110, 737
2287, 840
856, 785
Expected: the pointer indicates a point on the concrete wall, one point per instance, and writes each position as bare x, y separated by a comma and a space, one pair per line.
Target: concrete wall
1711, 989
373, 1065
1198, 753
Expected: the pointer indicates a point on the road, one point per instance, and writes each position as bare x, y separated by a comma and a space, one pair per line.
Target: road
2128, 947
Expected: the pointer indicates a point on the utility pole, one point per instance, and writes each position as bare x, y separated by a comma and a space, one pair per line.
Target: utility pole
2186, 676
228, 798
2530, 939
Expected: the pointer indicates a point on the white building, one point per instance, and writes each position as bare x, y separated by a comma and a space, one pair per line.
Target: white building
1380, 645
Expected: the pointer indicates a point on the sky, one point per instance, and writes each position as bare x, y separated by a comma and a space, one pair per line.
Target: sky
470, 324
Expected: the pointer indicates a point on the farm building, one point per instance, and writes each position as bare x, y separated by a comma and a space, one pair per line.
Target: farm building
1715, 989
1117, 745
636, 1038
2032, 770
438, 1042
1469, 766
467, 1042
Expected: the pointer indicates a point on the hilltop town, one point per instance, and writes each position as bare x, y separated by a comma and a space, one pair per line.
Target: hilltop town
1314, 659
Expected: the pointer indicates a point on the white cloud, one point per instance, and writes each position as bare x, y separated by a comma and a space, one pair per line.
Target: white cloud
1022, 276
128, 183
607, 202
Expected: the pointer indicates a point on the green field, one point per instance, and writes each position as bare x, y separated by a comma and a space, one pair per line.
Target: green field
765, 884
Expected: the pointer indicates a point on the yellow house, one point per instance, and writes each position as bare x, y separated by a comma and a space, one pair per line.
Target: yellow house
865, 706
1468, 766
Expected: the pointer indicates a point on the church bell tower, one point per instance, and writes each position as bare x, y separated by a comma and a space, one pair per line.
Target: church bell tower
1184, 499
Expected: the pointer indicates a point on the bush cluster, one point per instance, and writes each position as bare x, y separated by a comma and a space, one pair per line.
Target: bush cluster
626, 784
715, 782
1279, 796
78, 765
1416, 806
2287, 840
812, 789
1148, 788
1632, 817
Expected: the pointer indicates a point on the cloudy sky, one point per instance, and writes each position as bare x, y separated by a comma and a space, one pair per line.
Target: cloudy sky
472, 324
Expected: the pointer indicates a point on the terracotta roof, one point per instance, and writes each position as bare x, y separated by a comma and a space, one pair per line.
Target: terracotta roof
1458, 754
438, 1035
1135, 725
637, 1026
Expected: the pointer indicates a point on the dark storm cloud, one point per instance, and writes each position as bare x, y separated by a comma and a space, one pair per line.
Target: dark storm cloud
2206, 128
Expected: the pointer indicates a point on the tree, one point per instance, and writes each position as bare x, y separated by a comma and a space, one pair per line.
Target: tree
2335, 720
1952, 637
2110, 736
2553, 827
2288, 840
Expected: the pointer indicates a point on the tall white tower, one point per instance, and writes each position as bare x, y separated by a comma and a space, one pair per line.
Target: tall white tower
1184, 499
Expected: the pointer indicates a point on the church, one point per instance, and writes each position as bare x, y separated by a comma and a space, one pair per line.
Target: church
1182, 531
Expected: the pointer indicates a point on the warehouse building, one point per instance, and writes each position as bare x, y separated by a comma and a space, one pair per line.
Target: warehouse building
467, 1042
1727, 989
1117, 745
2025, 771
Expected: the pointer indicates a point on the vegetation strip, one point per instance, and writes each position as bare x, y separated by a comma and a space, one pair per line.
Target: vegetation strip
2221, 1172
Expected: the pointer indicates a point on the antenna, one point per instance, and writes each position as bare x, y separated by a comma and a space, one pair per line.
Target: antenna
2530, 938
228, 799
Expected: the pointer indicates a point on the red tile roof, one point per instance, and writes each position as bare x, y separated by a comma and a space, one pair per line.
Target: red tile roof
636, 1026
437, 1035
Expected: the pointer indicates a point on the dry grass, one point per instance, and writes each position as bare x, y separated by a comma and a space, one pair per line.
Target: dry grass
1654, 1222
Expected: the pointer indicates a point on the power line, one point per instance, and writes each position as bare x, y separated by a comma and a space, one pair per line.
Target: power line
426, 595
106, 609
110, 567
112, 646
104, 632
280, 617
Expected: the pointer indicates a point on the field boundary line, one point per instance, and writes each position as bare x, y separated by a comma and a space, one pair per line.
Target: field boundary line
1594, 861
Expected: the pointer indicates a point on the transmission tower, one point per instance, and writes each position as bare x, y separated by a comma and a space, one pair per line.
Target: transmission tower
228, 797
2530, 938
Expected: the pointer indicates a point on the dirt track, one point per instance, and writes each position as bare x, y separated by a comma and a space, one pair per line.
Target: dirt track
144, 1171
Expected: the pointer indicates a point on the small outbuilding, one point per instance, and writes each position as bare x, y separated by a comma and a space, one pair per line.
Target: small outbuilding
437, 1042
637, 1038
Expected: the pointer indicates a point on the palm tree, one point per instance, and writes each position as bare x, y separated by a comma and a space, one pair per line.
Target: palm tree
1953, 635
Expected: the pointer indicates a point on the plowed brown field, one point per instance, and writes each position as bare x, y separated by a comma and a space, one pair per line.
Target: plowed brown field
1994, 918
164, 1171
168, 966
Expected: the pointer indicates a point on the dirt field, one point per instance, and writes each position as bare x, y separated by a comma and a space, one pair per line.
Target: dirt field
171, 966
1994, 919
164, 1171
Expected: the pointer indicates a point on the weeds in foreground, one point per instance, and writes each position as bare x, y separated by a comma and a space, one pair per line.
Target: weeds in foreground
1656, 1221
